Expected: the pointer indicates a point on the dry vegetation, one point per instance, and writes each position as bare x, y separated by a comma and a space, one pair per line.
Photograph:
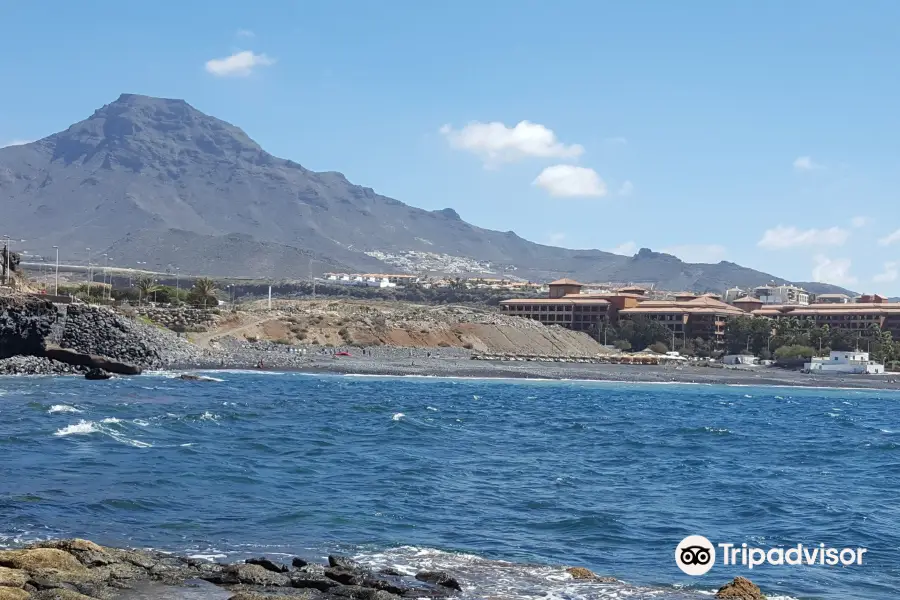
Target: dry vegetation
348, 322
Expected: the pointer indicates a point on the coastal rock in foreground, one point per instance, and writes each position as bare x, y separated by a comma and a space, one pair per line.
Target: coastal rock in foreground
82, 570
582, 574
740, 588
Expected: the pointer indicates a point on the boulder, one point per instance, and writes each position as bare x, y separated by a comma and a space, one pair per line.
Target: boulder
311, 579
441, 578
248, 575
343, 562
34, 559
83, 359
582, 574
267, 564
298, 563
12, 578
740, 588
97, 375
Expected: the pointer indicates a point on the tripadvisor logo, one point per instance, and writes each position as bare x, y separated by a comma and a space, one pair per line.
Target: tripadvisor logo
696, 555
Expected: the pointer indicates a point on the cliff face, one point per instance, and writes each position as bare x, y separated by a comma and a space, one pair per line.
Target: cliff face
25, 324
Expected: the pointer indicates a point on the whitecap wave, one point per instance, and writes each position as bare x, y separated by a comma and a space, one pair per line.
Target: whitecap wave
484, 578
397, 416
62, 408
90, 427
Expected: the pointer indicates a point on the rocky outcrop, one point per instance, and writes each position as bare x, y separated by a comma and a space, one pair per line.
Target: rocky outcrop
582, 574
37, 365
90, 361
181, 319
38, 337
740, 588
25, 322
103, 332
82, 570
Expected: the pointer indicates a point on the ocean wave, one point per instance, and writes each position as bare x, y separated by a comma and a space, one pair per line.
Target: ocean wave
397, 416
62, 408
90, 427
487, 578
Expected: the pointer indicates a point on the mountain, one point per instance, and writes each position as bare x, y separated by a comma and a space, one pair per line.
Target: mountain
156, 180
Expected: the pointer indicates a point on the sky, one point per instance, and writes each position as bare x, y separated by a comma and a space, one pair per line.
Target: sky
763, 133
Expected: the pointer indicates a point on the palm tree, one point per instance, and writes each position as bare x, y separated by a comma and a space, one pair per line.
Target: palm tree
204, 293
146, 286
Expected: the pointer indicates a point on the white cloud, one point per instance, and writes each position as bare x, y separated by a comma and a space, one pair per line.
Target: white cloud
244, 33
15, 143
626, 189
697, 253
496, 143
806, 163
782, 237
835, 271
890, 273
889, 239
858, 222
569, 181
625, 249
556, 238
240, 64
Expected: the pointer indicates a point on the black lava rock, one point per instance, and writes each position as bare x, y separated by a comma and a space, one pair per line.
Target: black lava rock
97, 374
441, 578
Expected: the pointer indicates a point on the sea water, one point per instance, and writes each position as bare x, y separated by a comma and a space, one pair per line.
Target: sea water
503, 483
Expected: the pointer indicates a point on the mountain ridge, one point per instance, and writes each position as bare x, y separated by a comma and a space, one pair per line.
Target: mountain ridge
156, 180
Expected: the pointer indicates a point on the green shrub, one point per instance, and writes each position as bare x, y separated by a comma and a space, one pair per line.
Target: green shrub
793, 352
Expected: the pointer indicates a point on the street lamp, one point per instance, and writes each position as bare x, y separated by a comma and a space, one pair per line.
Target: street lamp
109, 292
177, 288
56, 283
90, 272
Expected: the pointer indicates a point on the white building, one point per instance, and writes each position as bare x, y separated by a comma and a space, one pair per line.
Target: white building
841, 361
733, 294
740, 359
782, 294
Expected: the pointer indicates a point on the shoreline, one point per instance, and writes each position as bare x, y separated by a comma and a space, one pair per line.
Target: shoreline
78, 569
455, 368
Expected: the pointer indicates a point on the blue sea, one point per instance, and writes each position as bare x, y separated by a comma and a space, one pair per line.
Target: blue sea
501, 482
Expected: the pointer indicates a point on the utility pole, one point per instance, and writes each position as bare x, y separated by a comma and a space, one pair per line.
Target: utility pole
312, 279
177, 288
56, 283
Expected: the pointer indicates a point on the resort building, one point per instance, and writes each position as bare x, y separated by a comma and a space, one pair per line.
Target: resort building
854, 316
781, 294
567, 307
703, 317
832, 299
845, 362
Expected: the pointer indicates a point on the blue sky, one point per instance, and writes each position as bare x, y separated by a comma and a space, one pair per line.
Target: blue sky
765, 132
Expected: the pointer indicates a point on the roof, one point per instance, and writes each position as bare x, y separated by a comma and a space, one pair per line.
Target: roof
748, 299
567, 300
628, 288
701, 305
565, 281
832, 296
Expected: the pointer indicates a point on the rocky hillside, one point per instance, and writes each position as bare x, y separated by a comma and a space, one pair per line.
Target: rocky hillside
152, 179
343, 323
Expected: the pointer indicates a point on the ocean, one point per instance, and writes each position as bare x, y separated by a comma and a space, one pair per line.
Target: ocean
503, 483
